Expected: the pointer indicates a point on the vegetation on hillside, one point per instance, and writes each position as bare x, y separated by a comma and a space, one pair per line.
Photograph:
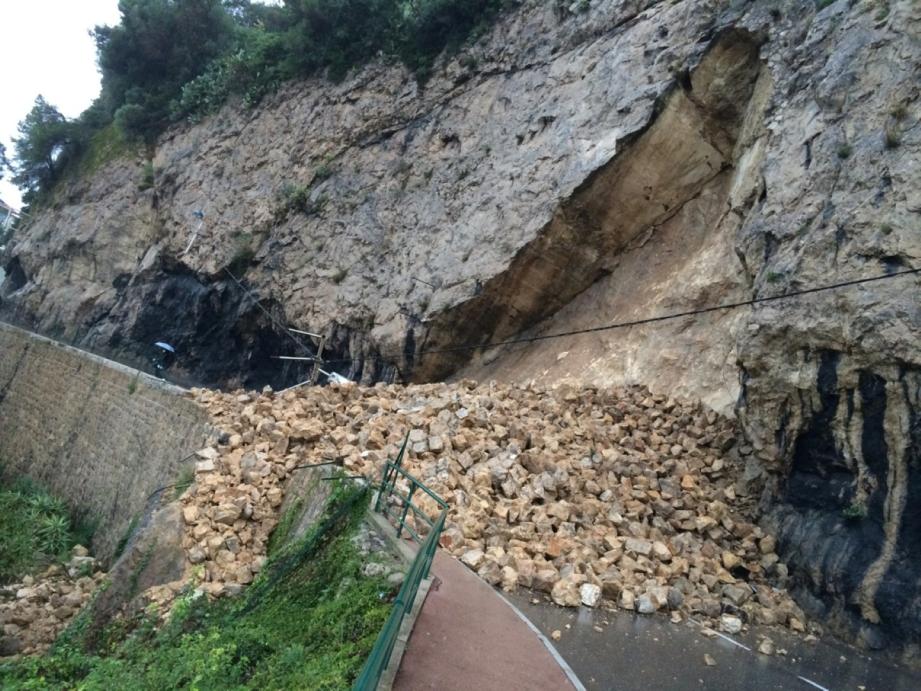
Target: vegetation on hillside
169, 60
35, 530
308, 622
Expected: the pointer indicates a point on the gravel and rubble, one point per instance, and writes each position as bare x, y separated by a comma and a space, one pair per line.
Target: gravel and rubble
33, 612
613, 497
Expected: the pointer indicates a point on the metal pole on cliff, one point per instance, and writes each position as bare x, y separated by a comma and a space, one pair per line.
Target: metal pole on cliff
318, 363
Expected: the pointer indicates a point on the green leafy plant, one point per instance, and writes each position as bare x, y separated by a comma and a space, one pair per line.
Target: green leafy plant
35, 528
892, 137
167, 61
322, 173
243, 254
185, 480
845, 151
147, 177
855, 511
308, 622
774, 277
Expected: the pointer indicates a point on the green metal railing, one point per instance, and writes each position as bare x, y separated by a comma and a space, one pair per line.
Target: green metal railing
390, 495
379, 659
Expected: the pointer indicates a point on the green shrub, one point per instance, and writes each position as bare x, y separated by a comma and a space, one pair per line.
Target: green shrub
185, 480
308, 622
892, 137
147, 177
296, 199
35, 529
855, 511
170, 60
243, 254
845, 151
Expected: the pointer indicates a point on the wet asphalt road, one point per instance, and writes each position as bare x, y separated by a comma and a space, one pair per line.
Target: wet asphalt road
633, 652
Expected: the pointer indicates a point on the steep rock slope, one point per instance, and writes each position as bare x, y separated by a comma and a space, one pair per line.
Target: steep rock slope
570, 169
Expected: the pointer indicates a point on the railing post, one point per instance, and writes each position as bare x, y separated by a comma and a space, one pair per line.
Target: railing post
408, 501
389, 474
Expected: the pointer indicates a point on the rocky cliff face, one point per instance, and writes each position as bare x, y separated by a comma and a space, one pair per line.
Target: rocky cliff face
573, 168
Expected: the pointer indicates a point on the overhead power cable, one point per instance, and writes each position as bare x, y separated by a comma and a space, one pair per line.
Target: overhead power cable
664, 317
271, 316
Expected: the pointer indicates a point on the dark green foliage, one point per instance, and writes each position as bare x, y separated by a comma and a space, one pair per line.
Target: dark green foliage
845, 151
126, 536
147, 179
312, 628
171, 60
42, 148
822, 4
892, 137
293, 199
4, 162
431, 26
855, 511
339, 34
35, 529
158, 46
284, 527
185, 480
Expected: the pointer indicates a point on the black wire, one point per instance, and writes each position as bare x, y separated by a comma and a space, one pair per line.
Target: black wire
275, 321
652, 320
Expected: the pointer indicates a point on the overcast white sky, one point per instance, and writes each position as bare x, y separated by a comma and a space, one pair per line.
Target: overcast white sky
46, 49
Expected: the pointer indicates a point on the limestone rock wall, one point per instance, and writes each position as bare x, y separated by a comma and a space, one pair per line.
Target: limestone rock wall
91, 431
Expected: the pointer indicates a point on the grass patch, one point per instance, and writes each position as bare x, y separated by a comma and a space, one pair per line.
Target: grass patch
106, 145
284, 527
243, 254
892, 137
126, 536
184, 481
308, 622
296, 199
36, 529
855, 511
147, 177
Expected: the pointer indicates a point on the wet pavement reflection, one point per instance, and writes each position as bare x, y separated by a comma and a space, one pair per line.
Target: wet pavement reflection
624, 651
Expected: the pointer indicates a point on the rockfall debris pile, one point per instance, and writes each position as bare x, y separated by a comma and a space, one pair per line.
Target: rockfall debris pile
612, 496
36, 610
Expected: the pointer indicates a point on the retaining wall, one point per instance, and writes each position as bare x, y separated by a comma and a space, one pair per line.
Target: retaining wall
100, 435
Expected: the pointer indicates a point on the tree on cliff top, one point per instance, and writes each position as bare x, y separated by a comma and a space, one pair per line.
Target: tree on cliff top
169, 60
158, 46
41, 148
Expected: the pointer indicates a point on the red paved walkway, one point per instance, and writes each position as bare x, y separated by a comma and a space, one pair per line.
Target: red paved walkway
467, 637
